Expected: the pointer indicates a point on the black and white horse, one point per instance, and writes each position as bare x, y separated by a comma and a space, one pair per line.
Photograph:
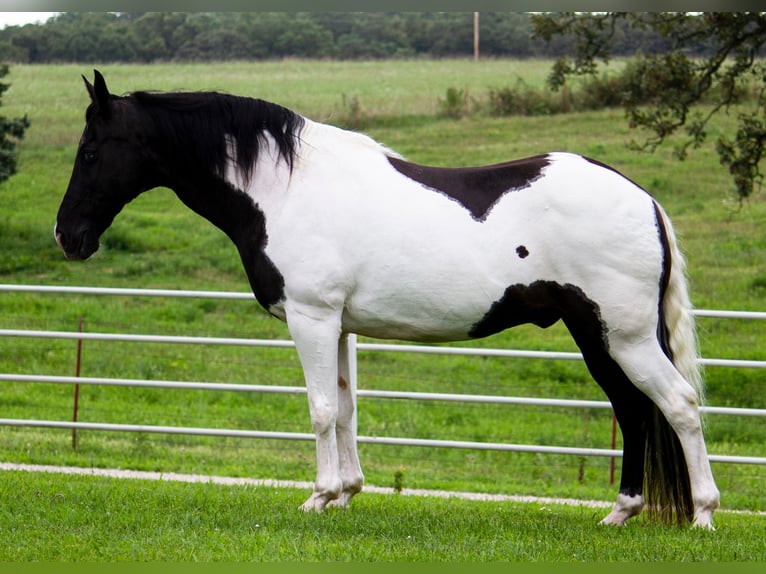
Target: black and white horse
340, 235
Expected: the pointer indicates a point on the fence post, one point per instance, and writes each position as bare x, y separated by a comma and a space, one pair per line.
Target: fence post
76, 405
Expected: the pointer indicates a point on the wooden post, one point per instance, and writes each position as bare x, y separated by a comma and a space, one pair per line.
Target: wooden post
475, 36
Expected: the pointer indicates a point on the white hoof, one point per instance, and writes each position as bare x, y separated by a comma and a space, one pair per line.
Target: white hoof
704, 520
615, 518
344, 500
315, 503
626, 507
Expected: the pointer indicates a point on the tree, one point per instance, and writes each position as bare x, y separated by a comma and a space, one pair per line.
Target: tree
152, 34
710, 58
214, 45
14, 128
304, 38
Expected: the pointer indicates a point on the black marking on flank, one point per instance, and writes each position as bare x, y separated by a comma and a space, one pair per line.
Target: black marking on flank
522, 252
477, 189
543, 303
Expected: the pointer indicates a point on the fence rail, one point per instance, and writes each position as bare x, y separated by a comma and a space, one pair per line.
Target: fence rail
398, 348
364, 347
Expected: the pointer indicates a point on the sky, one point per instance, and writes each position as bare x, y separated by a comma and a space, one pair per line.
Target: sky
21, 18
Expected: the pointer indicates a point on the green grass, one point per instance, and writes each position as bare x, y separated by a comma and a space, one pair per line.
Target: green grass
86, 519
156, 242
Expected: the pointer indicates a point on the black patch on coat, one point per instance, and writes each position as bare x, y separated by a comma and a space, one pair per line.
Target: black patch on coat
477, 189
522, 252
542, 303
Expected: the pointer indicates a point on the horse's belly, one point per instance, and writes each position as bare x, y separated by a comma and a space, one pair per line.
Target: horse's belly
420, 329
424, 315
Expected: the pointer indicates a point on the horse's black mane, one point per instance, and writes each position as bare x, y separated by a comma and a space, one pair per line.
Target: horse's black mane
202, 125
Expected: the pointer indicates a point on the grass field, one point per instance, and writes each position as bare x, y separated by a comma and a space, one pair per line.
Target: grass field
156, 242
137, 520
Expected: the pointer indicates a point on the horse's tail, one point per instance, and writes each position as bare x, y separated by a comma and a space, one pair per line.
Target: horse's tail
678, 317
667, 484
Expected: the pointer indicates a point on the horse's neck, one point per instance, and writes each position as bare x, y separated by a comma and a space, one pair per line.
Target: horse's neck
227, 200
322, 150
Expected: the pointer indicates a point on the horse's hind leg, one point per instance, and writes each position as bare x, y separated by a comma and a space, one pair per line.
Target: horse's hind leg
630, 500
653, 373
629, 356
631, 407
351, 475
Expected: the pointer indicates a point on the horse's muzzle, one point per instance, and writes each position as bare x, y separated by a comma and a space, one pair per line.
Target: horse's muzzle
79, 249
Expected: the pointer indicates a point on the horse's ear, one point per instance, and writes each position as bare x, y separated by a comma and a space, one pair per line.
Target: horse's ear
99, 93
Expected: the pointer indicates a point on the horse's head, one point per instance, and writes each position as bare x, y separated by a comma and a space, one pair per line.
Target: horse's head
111, 168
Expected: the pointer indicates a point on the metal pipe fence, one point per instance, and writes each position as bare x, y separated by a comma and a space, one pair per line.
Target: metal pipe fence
362, 393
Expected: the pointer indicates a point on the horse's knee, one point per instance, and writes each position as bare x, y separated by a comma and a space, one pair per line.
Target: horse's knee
324, 417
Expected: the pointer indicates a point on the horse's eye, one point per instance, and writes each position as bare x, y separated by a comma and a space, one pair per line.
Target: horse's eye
89, 156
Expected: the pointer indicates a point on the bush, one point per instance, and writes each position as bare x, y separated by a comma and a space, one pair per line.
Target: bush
522, 100
14, 128
454, 105
598, 92
609, 90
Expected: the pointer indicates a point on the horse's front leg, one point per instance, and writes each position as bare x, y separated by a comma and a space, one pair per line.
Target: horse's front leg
346, 426
316, 334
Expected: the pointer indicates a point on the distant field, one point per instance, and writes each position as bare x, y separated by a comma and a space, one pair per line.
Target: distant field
156, 242
315, 89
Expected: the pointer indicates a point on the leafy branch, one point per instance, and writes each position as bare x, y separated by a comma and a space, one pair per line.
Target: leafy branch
677, 79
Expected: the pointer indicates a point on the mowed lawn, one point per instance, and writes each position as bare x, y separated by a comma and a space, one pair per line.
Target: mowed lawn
87, 519
156, 242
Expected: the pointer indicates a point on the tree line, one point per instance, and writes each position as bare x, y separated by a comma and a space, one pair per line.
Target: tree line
197, 36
